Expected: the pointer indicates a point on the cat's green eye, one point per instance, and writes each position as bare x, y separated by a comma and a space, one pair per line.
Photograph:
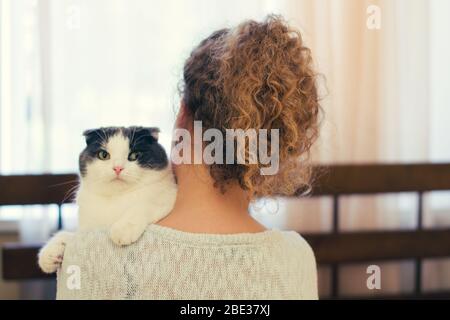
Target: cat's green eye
103, 155
133, 156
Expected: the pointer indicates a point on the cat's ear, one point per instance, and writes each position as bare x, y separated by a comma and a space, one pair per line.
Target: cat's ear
149, 134
92, 135
154, 132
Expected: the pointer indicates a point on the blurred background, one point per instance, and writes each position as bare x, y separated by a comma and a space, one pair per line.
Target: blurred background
69, 65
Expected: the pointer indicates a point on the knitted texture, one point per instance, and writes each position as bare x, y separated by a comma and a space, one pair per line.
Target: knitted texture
170, 264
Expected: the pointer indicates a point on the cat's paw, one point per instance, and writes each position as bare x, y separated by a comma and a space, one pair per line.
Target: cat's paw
124, 232
50, 257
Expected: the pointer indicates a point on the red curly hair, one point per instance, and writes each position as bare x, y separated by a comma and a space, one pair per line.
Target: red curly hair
258, 75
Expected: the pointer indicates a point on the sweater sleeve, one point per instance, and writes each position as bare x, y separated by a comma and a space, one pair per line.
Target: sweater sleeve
306, 268
310, 284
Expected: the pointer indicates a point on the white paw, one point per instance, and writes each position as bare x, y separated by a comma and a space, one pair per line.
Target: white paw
51, 257
125, 232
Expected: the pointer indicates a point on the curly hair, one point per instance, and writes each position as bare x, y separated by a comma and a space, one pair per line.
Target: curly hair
258, 75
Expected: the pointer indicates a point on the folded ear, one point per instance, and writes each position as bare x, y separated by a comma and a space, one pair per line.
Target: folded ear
92, 135
147, 134
154, 132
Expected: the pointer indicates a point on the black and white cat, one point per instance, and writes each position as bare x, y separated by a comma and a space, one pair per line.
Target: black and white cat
125, 184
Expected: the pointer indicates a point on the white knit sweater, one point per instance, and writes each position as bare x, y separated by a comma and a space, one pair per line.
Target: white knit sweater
171, 264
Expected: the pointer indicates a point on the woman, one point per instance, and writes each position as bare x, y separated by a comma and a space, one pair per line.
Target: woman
255, 76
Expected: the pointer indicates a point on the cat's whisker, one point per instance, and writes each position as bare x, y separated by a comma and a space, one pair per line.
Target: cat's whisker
69, 193
63, 183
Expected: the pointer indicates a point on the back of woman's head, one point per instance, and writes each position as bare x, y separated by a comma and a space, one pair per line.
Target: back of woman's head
258, 75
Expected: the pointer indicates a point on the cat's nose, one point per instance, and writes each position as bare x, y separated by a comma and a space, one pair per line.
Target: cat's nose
118, 169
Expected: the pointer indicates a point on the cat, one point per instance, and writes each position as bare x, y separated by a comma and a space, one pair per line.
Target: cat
126, 183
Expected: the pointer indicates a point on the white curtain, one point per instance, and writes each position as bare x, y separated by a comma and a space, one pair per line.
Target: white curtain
68, 65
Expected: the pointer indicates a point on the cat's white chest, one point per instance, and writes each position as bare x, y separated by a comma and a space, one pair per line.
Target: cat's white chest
139, 205
100, 211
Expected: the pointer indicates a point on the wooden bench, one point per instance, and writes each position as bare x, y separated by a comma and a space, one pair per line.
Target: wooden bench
332, 249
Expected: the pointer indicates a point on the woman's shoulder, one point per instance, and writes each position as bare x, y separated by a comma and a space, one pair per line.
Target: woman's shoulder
289, 240
297, 248
301, 264
285, 248
275, 243
294, 240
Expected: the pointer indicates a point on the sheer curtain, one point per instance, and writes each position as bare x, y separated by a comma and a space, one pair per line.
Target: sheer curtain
68, 65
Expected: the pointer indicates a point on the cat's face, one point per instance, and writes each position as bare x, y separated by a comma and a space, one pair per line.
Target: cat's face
121, 157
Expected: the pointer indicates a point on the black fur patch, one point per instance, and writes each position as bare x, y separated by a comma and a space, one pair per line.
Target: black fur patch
142, 140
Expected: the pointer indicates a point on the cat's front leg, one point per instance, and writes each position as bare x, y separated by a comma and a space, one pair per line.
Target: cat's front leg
130, 227
51, 255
